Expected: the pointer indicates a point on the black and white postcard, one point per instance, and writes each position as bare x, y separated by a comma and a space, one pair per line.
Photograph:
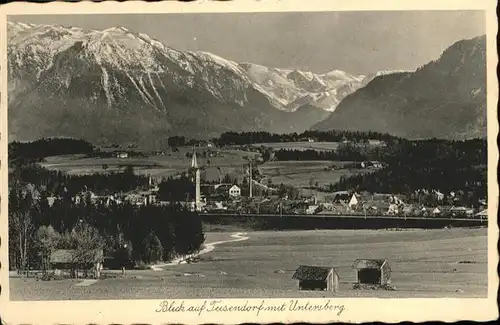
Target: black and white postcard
253, 161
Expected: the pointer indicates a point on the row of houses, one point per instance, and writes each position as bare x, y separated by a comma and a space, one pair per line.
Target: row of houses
343, 203
391, 204
139, 198
144, 197
222, 197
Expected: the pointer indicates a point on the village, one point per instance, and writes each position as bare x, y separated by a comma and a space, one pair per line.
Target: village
251, 197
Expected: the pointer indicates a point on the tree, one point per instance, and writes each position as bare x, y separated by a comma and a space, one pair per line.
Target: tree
123, 252
152, 250
266, 155
87, 245
46, 240
21, 225
189, 235
176, 141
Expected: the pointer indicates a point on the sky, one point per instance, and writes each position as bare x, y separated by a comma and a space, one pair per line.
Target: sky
356, 42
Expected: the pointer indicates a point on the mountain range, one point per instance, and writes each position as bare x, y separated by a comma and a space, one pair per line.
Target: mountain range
118, 86
115, 85
445, 98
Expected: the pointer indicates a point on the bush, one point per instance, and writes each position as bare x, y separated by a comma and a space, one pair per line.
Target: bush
50, 276
141, 266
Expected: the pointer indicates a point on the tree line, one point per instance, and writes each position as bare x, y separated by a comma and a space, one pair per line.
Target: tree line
242, 138
345, 152
57, 183
128, 234
443, 165
245, 138
45, 147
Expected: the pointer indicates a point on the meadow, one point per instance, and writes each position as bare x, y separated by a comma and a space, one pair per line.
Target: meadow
306, 145
425, 263
155, 165
300, 174
303, 174
320, 146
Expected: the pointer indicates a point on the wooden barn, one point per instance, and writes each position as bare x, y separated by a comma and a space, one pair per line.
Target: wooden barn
317, 278
67, 259
372, 271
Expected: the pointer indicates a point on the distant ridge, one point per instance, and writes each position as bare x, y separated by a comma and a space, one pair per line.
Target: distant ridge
445, 98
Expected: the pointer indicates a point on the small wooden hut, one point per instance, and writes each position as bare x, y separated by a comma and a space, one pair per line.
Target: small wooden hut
317, 278
68, 259
372, 271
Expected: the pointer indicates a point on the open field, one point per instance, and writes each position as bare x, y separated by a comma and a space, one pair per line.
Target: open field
154, 165
301, 173
319, 146
295, 173
305, 145
425, 263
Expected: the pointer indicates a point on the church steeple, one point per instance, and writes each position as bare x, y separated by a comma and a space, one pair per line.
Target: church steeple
194, 166
194, 162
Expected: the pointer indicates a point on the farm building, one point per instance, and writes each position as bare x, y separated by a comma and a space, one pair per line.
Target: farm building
234, 191
372, 271
354, 201
312, 209
461, 212
392, 210
341, 196
372, 164
483, 214
136, 199
122, 155
67, 259
317, 278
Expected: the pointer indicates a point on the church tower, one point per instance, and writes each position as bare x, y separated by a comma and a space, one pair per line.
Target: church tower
196, 169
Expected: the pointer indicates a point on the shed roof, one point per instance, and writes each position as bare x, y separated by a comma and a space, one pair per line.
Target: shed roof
68, 255
62, 256
368, 264
306, 272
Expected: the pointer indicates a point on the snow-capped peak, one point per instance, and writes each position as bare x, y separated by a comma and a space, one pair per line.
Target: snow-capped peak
118, 29
386, 72
137, 53
230, 65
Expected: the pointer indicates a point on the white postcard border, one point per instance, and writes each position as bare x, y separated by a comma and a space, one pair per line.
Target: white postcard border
356, 309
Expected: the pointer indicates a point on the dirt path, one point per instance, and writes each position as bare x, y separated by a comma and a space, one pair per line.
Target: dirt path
239, 236
86, 283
